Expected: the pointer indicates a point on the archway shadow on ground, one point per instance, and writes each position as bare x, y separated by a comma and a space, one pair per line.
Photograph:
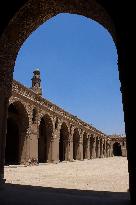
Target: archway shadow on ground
15, 194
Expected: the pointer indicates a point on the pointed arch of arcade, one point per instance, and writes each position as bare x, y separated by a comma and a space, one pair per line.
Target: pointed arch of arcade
29, 15
44, 140
16, 137
85, 145
76, 148
63, 143
117, 149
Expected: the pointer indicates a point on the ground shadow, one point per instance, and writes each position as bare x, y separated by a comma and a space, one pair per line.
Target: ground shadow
14, 194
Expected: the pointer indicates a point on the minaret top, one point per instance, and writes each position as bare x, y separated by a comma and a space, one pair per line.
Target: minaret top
37, 70
36, 82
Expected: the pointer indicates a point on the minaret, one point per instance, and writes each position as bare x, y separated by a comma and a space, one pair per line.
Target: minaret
36, 82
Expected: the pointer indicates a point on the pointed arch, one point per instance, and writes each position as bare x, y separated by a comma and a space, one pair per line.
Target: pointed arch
76, 138
117, 149
17, 126
44, 140
63, 143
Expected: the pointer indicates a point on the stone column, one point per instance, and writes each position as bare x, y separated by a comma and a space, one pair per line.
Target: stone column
98, 151
70, 143
24, 152
33, 143
80, 149
49, 149
66, 149
70, 151
101, 148
111, 149
88, 147
3, 123
105, 151
124, 150
6, 77
94, 148
97, 147
27, 149
55, 147
108, 149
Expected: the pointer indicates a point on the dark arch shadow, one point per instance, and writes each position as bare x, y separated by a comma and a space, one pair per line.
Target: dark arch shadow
117, 149
12, 142
15, 194
44, 140
63, 143
76, 138
17, 125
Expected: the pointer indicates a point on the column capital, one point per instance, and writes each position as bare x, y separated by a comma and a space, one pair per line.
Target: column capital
72, 128
52, 139
80, 141
70, 140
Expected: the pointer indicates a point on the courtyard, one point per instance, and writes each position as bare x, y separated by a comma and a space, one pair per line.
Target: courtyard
107, 174
97, 181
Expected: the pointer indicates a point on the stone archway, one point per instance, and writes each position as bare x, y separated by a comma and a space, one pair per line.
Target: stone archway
76, 139
117, 149
85, 144
44, 140
17, 125
63, 143
28, 18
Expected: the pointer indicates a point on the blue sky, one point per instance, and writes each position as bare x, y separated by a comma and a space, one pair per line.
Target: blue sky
78, 63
